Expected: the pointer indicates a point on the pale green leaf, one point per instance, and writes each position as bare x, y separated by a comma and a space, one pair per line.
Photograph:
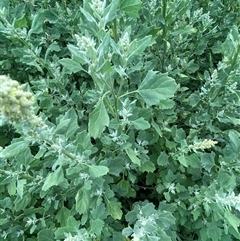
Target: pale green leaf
98, 171
14, 149
232, 219
147, 166
114, 209
138, 46
82, 201
182, 159
235, 121
78, 55
53, 179
12, 187
20, 186
98, 119
73, 126
132, 155
140, 124
62, 127
110, 11
131, 7
37, 23
156, 87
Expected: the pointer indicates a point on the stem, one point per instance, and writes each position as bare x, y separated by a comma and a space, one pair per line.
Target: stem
164, 12
128, 93
114, 29
234, 59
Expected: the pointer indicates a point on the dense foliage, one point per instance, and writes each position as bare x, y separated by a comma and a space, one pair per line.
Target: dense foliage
120, 120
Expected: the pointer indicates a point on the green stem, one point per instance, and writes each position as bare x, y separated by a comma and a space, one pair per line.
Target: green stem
234, 59
128, 93
114, 29
164, 13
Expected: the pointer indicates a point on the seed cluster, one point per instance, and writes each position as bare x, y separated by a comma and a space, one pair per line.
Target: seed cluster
16, 104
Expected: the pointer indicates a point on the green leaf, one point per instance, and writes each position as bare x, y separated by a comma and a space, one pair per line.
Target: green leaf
147, 166
20, 23
110, 11
137, 47
207, 160
82, 201
96, 226
131, 154
182, 159
98, 119
156, 87
157, 128
98, 171
46, 235
163, 159
214, 233
53, 179
20, 186
63, 215
71, 65
37, 23
114, 209
234, 141
140, 124
235, 121
232, 219
12, 187
131, 7
51, 15
73, 126
14, 149
3, 221
166, 104
77, 55
62, 127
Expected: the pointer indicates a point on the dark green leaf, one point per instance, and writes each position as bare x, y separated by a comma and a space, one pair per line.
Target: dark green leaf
207, 160
71, 65
96, 226
163, 159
